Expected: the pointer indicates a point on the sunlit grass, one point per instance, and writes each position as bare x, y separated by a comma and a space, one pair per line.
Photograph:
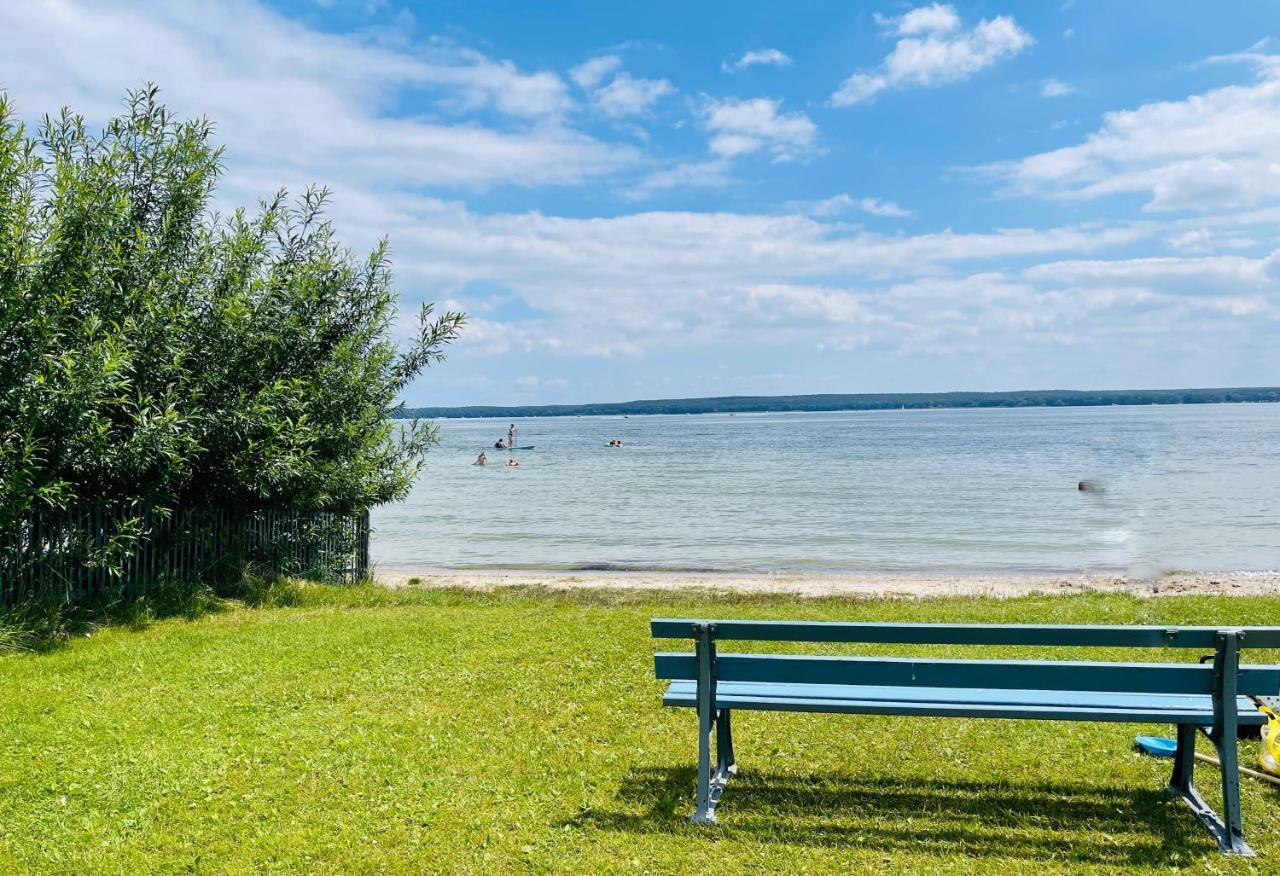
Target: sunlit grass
371, 730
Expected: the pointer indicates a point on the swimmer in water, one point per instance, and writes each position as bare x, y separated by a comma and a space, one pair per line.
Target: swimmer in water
511, 463
481, 459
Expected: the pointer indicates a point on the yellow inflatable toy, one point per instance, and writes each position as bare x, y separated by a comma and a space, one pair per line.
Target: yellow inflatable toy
1269, 750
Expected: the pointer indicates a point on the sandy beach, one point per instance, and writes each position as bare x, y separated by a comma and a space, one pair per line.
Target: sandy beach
906, 586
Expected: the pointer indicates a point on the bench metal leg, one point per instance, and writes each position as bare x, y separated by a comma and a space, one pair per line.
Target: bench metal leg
1184, 761
712, 779
725, 761
1226, 669
1232, 841
1227, 829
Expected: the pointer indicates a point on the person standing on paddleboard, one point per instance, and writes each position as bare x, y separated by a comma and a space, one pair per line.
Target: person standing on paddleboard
511, 436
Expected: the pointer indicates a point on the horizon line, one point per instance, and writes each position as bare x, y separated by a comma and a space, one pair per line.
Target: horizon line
814, 402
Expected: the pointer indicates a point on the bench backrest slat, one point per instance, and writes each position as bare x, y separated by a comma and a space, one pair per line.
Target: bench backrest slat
1170, 678
967, 634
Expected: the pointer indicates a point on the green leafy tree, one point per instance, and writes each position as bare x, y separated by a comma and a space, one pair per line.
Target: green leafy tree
156, 355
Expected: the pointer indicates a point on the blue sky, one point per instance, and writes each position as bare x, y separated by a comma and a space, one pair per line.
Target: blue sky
661, 199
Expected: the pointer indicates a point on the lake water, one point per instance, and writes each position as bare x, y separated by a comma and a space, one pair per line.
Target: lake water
1193, 487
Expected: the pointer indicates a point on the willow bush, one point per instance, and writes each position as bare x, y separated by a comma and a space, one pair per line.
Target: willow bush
157, 355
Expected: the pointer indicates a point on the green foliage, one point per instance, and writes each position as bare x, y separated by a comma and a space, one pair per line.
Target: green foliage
371, 730
157, 355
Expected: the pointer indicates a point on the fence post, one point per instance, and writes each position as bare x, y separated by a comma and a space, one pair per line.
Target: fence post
363, 569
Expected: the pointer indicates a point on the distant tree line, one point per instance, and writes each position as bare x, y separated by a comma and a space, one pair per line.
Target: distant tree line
155, 354
868, 402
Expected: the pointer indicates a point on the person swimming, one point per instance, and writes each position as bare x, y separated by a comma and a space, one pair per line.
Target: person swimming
511, 463
481, 459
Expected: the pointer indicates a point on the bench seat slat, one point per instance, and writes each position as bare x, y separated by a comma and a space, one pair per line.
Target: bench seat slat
962, 702
1164, 678
1053, 635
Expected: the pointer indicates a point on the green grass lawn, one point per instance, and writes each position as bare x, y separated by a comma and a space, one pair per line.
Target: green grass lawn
362, 730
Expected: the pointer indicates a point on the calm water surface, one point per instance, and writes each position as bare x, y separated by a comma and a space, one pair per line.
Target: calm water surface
1183, 487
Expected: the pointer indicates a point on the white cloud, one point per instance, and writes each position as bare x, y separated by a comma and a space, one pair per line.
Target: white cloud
300, 105
557, 263
1206, 240
768, 57
1208, 275
624, 95
934, 19
1211, 151
934, 49
627, 96
740, 127
843, 203
710, 174
629, 285
1055, 88
877, 207
777, 303
591, 73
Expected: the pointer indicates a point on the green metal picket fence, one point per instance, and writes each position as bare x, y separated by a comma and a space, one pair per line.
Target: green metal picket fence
85, 554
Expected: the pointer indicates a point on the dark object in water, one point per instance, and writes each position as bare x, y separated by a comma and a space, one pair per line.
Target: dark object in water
1088, 487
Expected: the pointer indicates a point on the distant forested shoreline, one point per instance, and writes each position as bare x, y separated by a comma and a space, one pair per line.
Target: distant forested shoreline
748, 404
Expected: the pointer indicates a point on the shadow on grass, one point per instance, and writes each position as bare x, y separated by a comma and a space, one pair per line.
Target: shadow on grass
46, 622
1085, 824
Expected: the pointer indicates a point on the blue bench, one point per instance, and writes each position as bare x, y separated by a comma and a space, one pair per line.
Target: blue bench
1212, 696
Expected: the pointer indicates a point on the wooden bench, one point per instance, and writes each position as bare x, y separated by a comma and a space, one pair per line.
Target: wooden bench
1212, 696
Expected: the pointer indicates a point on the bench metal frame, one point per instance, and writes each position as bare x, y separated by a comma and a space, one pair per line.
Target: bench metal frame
1224, 682
1227, 829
